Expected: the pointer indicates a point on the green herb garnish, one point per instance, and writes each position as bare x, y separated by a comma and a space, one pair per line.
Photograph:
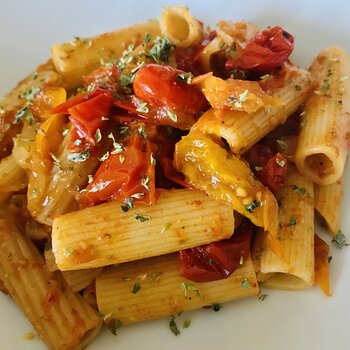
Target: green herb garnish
173, 326
252, 206
136, 288
339, 240
79, 157
142, 218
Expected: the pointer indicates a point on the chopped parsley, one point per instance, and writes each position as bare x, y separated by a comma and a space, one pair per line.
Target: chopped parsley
282, 144
30, 93
153, 161
118, 147
325, 87
104, 157
142, 218
280, 162
142, 131
252, 206
188, 287
79, 157
160, 50
142, 108
99, 186
98, 136
185, 77
236, 102
339, 240
245, 283
129, 203
24, 114
293, 221
173, 326
136, 288
145, 181
297, 87
137, 195
166, 227
186, 324
114, 326
121, 158
147, 39
300, 190
172, 116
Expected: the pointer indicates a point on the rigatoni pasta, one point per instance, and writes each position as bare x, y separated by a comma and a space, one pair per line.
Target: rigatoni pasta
105, 235
328, 204
63, 319
324, 136
162, 291
179, 26
295, 234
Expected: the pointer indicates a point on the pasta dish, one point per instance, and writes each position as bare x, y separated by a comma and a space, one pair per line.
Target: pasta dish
167, 167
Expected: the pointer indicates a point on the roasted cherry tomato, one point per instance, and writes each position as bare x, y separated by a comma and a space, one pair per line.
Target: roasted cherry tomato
159, 115
267, 50
161, 86
87, 116
126, 175
217, 260
270, 168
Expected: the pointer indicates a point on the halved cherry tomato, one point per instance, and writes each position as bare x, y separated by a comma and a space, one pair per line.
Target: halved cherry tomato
161, 86
87, 116
158, 115
267, 50
217, 260
127, 174
270, 168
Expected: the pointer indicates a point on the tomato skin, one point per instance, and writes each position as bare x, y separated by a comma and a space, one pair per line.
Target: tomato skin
87, 116
156, 115
120, 179
267, 166
272, 175
160, 86
216, 260
267, 50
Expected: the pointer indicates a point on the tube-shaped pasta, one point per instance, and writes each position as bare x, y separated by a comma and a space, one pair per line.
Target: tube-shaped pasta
296, 235
327, 203
179, 26
53, 194
75, 59
324, 136
62, 318
16, 99
242, 130
80, 279
227, 178
238, 33
105, 235
163, 292
12, 177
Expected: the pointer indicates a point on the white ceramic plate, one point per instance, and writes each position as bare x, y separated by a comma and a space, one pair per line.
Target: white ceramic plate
285, 320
